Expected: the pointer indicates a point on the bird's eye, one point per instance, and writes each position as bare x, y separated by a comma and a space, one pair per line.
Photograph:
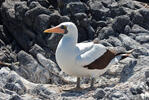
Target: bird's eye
64, 27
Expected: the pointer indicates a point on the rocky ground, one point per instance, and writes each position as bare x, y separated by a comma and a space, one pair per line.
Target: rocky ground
28, 70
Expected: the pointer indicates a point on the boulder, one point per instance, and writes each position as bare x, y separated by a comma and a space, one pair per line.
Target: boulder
127, 70
41, 71
138, 29
117, 11
117, 95
36, 49
53, 40
41, 23
3, 36
98, 10
54, 18
105, 32
128, 42
144, 12
31, 14
127, 29
13, 26
136, 18
142, 39
99, 93
114, 41
76, 7
120, 22
20, 9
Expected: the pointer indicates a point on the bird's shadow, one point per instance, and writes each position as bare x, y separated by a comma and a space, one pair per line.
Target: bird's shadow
76, 93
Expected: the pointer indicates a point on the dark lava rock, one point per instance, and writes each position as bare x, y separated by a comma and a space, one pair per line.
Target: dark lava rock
13, 26
31, 14
14, 87
146, 74
136, 90
53, 41
120, 22
140, 51
80, 16
147, 82
117, 11
5, 55
138, 29
4, 37
44, 3
106, 32
128, 69
76, 7
146, 45
71, 7
105, 43
36, 49
128, 4
98, 10
43, 92
117, 95
136, 18
33, 4
84, 23
42, 70
99, 93
20, 9
128, 42
142, 39
144, 12
82, 34
144, 1
64, 19
41, 23
127, 29
16, 97
54, 19
114, 41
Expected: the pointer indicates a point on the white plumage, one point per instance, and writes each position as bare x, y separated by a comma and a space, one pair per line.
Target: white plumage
72, 56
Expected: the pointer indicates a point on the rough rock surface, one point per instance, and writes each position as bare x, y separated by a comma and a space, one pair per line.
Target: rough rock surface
28, 69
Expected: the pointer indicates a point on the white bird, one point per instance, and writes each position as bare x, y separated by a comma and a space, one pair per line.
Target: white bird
82, 59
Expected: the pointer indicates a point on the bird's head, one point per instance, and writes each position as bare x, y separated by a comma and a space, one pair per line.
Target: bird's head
66, 28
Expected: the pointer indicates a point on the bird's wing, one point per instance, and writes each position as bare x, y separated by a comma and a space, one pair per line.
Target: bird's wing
84, 47
88, 54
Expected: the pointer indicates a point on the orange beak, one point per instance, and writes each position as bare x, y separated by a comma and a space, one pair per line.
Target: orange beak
55, 30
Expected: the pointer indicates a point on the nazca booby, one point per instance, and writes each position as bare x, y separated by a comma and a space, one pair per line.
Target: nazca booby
82, 59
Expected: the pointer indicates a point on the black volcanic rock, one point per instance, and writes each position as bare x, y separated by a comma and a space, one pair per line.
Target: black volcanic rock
144, 1
98, 10
136, 18
54, 18
76, 7
99, 93
20, 9
128, 42
120, 22
13, 26
31, 14
143, 39
144, 12
105, 32
114, 41
138, 29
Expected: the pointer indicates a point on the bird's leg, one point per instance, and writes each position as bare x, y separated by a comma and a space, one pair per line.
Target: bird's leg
92, 82
78, 83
